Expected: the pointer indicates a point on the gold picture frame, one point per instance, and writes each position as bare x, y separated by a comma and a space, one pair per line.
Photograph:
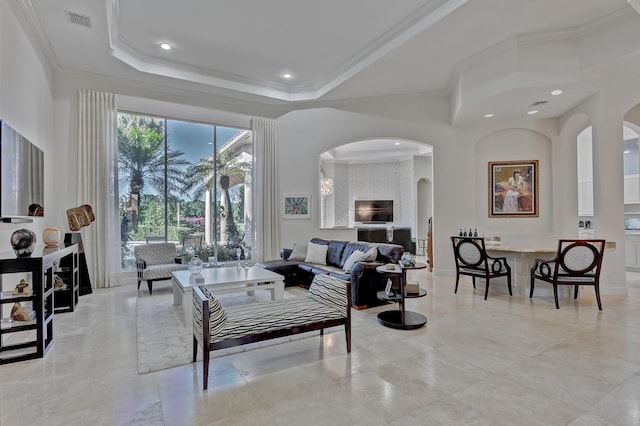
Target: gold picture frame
513, 188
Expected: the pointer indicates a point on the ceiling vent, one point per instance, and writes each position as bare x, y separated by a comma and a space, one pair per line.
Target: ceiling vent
537, 103
76, 18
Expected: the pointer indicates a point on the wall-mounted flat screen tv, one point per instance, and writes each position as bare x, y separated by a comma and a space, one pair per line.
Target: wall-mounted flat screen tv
21, 175
374, 211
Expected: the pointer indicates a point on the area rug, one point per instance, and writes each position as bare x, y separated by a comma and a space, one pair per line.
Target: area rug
163, 341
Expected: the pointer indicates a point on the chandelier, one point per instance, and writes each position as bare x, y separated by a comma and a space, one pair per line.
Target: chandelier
326, 187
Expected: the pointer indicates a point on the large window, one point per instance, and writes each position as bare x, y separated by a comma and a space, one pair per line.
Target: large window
187, 183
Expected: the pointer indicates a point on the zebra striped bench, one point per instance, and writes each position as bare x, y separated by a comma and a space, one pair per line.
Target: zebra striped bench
327, 304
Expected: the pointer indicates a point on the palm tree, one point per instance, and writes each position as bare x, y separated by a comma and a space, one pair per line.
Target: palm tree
142, 160
228, 170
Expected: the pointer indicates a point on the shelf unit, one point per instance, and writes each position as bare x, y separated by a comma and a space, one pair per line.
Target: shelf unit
20, 340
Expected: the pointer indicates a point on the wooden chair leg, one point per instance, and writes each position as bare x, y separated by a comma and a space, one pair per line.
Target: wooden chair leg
486, 289
597, 287
555, 295
531, 286
150, 285
473, 280
575, 292
457, 280
509, 284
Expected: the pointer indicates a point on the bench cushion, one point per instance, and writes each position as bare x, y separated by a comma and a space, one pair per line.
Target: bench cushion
327, 300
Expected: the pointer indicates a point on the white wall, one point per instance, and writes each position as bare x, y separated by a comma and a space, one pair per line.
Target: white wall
460, 153
26, 103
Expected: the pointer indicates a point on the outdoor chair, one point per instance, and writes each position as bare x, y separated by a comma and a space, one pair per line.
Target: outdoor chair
156, 262
154, 239
193, 241
577, 262
472, 260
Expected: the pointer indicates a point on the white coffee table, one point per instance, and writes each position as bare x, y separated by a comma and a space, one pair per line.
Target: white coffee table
222, 281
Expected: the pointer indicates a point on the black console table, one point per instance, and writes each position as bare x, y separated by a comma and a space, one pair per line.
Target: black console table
17, 339
401, 318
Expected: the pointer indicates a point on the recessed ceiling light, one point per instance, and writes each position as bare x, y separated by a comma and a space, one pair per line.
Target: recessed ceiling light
165, 46
490, 115
556, 92
533, 111
397, 143
287, 76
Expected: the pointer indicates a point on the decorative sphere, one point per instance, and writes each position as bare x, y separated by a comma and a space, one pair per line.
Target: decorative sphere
23, 242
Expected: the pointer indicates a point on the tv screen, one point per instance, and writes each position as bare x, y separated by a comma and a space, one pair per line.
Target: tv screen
374, 211
21, 175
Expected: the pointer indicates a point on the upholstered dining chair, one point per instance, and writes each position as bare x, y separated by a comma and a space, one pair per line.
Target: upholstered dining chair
472, 260
577, 262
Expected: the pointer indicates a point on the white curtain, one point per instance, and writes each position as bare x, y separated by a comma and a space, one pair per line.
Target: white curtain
97, 184
265, 184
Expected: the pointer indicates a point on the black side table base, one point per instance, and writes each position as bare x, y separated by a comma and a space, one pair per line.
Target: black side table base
393, 319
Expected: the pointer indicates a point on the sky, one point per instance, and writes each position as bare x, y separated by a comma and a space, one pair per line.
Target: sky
195, 139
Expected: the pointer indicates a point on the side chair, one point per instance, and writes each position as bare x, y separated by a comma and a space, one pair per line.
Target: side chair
472, 259
577, 262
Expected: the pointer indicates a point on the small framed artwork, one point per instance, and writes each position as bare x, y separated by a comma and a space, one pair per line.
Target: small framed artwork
513, 188
297, 206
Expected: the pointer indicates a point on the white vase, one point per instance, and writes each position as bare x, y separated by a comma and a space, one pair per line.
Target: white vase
51, 237
195, 265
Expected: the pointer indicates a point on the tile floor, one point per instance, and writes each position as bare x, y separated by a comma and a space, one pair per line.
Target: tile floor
504, 361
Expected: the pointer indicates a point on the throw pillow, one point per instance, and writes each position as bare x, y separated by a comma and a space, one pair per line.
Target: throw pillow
317, 253
371, 255
299, 252
355, 257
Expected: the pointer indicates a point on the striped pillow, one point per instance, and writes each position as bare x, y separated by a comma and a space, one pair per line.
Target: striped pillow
217, 315
356, 256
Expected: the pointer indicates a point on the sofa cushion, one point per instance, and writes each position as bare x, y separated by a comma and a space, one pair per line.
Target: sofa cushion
299, 252
334, 253
316, 253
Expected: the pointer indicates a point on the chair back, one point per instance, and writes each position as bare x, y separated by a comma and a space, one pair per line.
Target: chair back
156, 254
579, 258
470, 253
190, 240
153, 239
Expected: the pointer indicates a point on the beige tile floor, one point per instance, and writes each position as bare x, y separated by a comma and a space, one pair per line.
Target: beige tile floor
504, 361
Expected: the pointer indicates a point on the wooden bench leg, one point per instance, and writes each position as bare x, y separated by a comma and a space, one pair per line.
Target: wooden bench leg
205, 367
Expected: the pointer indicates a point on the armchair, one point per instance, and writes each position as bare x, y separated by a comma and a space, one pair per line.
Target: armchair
577, 262
472, 259
155, 262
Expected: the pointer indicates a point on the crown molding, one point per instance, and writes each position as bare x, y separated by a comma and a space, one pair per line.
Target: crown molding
404, 31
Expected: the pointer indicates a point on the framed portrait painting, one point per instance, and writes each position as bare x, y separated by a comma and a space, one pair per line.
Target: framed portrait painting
297, 206
513, 188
